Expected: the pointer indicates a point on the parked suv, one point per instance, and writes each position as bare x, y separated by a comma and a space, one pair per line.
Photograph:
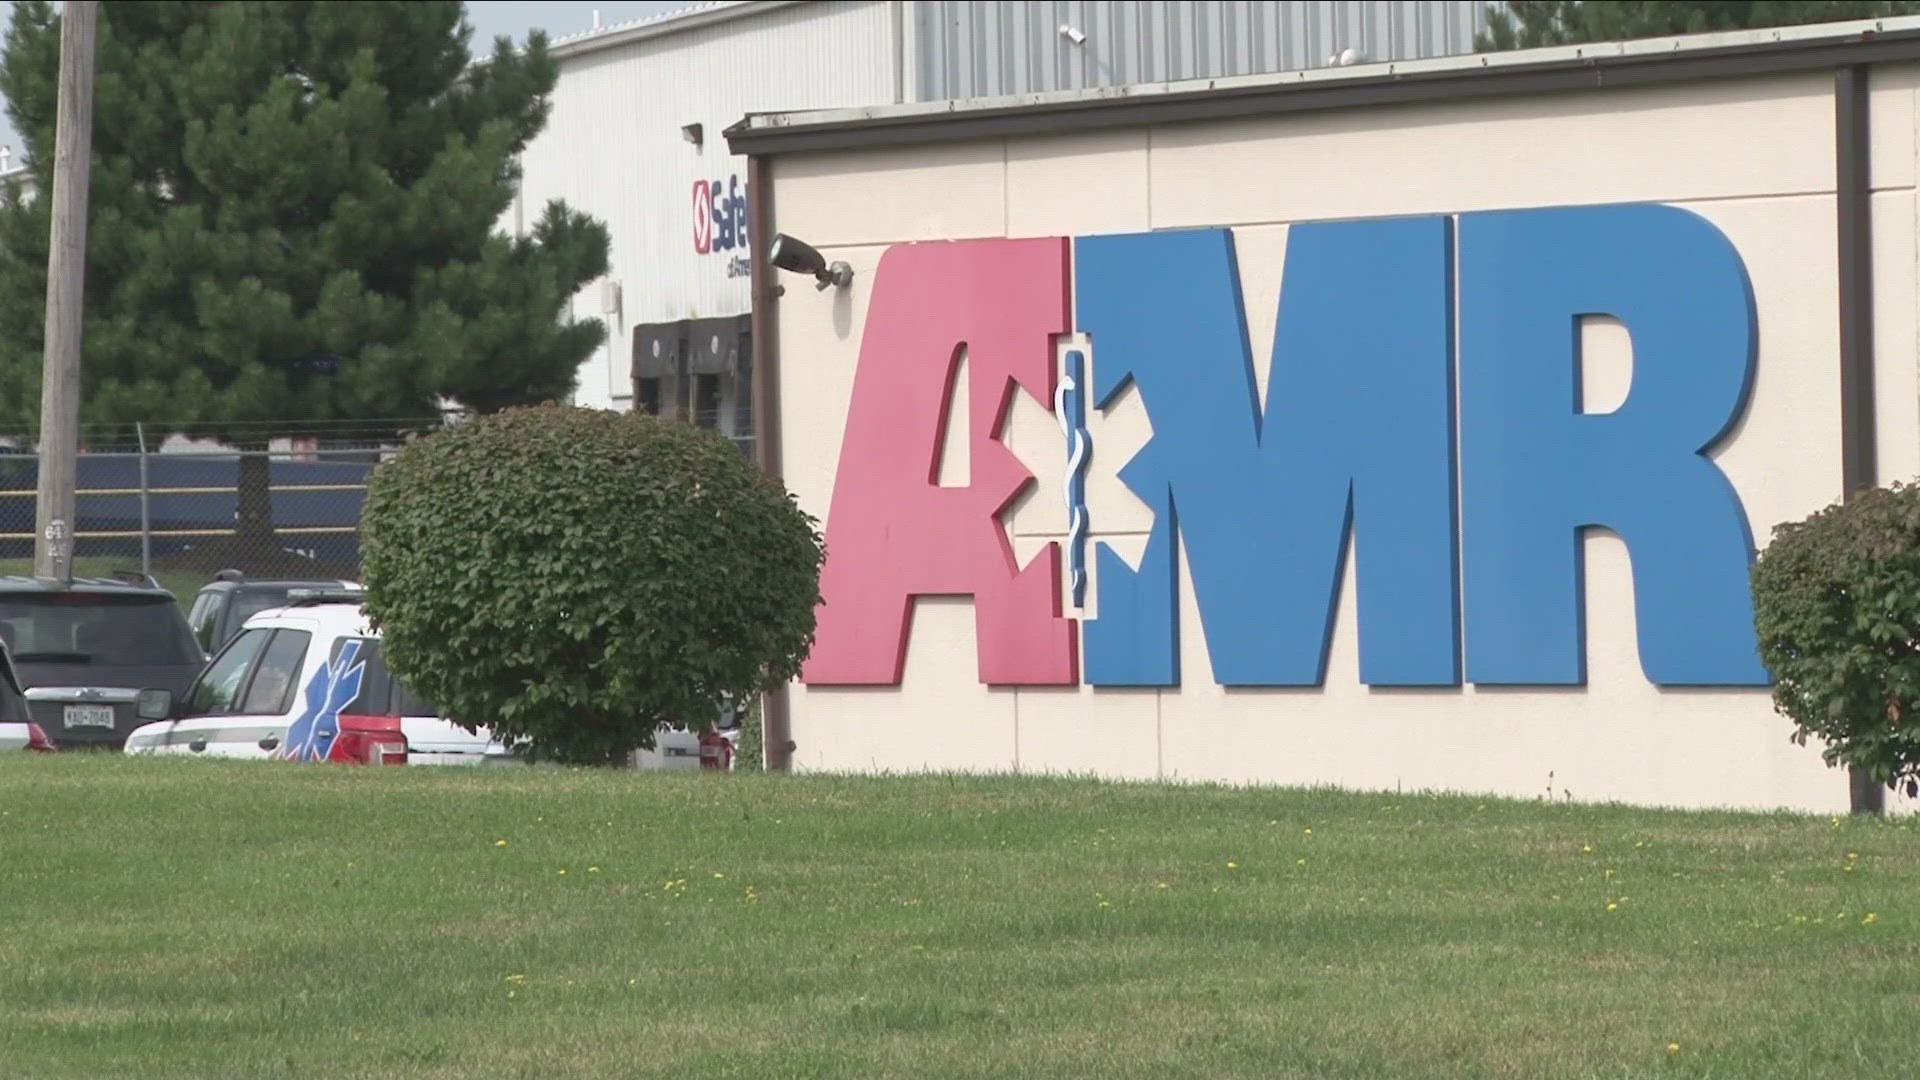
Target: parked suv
226, 603
96, 656
307, 682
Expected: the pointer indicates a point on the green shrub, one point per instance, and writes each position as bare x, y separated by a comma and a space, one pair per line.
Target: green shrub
748, 756
1837, 608
577, 577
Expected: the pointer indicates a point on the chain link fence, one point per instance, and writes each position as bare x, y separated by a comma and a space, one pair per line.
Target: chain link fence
268, 500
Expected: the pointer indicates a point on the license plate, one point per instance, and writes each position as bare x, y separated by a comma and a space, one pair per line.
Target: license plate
78, 716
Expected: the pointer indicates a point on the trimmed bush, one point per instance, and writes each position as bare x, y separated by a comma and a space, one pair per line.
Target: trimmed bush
1837, 607
578, 577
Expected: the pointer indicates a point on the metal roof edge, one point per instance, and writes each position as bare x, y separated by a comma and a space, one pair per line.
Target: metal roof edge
671, 22
1601, 64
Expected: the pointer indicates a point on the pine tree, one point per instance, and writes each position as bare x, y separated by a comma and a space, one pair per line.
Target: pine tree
1526, 24
293, 218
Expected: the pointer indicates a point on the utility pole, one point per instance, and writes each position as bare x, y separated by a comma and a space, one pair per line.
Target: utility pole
66, 284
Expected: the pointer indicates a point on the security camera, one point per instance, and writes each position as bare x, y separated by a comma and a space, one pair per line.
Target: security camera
799, 257
1073, 34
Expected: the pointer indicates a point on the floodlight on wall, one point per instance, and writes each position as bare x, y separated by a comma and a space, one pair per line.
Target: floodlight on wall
799, 257
1073, 34
693, 133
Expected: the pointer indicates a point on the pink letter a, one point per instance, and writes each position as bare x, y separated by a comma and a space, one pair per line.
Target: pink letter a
892, 532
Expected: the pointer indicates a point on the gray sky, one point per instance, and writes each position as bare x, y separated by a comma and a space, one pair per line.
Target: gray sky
490, 18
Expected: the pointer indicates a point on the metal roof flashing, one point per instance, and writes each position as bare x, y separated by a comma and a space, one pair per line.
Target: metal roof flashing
693, 16
1602, 64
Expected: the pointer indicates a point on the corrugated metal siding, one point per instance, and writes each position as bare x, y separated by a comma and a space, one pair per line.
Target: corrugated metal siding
612, 147
963, 48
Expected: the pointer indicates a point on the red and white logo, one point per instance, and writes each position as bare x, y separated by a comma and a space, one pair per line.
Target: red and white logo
702, 217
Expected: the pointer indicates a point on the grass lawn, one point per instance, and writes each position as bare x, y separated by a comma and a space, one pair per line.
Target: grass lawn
209, 919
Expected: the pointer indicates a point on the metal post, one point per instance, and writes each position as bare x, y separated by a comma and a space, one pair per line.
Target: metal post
776, 724
66, 280
1853, 206
146, 518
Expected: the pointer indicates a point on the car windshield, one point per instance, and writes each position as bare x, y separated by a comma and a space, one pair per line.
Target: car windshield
97, 628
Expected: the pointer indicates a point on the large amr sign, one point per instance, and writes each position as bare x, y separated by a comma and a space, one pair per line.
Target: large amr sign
1423, 402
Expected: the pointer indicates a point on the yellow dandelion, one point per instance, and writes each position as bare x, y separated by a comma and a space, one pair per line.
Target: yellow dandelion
1613, 907
1159, 884
1586, 849
1308, 832
593, 869
511, 993
1869, 918
1300, 862
633, 982
563, 870
1673, 1048
1836, 821
499, 843
1233, 866
1609, 871
717, 876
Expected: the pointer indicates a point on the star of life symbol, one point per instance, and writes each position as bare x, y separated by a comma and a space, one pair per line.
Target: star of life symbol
311, 735
1070, 407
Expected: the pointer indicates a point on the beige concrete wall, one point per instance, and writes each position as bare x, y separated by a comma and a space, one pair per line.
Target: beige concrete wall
1753, 156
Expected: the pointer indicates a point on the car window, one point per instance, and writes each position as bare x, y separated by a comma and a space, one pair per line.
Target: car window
219, 686
105, 629
380, 693
408, 703
271, 691
252, 602
13, 705
200, 619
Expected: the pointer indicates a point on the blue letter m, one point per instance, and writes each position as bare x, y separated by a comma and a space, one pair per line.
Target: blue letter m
1357, 442
1357, 438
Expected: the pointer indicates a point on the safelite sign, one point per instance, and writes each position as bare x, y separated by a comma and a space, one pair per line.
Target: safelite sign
720, 221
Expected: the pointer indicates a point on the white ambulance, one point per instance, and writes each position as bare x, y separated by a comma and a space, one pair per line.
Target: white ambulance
307, 683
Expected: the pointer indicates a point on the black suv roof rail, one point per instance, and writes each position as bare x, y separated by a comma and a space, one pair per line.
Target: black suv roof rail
24, 582
135, 577
230, 575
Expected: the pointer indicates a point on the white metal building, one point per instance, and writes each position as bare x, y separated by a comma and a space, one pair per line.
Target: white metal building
1330, 427
634, 136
